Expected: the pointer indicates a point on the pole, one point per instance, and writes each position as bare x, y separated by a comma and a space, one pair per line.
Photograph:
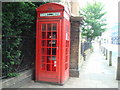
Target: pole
106, 54
110, 58
118, 69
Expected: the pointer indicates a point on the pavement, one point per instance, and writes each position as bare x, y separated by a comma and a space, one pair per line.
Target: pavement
95, 73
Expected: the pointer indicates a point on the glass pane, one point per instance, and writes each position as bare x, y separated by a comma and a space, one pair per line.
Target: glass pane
48, 59
49, 51
49, 35
54, 27
53, 43
48, 67
67, 43
54, 35
53, 51
49, 43
43, 35
43, 27
53, 57
49, 27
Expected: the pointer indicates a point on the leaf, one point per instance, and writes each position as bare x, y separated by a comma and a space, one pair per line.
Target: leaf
94, 19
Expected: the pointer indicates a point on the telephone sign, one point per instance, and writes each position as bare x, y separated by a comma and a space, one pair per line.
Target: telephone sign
50, 14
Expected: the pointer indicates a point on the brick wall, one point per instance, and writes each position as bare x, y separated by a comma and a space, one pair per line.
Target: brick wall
74, 45
75, 57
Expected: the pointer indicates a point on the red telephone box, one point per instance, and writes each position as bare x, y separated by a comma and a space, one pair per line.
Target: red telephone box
52, 43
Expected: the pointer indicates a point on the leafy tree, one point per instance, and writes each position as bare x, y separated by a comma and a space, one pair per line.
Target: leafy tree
94, 20
18, 21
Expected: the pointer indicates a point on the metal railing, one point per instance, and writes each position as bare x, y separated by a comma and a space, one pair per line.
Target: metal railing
85, 46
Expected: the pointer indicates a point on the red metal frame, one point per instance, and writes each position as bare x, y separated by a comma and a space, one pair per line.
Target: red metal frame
52, 43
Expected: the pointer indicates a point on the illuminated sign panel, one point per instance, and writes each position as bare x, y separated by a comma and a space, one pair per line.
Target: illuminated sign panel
50, 14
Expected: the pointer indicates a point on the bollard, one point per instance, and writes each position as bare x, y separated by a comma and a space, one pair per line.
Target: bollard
84, 56
118, 69
101, 48
104, 51
110, 58
106, 54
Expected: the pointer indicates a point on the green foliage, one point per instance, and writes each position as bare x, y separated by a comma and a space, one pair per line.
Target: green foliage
12, 74
94, 20
18, 19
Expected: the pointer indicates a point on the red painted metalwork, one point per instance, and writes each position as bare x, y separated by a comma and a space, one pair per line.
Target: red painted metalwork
52, 43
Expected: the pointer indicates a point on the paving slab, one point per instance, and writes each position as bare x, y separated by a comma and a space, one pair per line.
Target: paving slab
95, 73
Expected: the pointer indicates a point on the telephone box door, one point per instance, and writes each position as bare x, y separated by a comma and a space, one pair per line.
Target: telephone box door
48, 59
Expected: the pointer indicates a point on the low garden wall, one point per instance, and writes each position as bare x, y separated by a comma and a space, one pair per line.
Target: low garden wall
18, 81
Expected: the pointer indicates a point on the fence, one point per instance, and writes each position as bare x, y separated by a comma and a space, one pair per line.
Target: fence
85, 46
25, 59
